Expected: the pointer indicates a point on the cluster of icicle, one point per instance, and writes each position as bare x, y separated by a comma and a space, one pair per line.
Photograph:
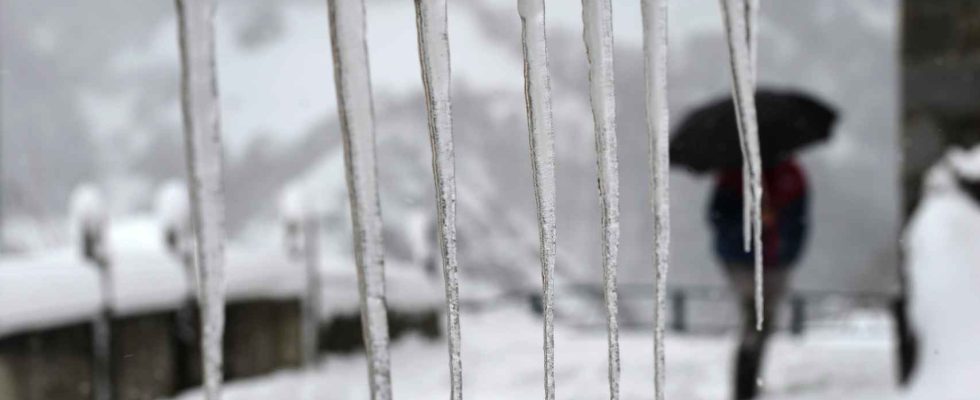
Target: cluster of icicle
355, 109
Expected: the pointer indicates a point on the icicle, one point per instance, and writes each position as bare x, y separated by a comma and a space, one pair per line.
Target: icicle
752, 14
655, 62
433, 37
356, 111
598, 35
202, 131
537, 93
738, 32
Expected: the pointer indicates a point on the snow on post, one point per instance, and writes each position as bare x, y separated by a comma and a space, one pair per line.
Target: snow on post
537, 93
597, 20
740, 30
202, 132
433, 38
356, 111
302, 240
658, 125
89, 219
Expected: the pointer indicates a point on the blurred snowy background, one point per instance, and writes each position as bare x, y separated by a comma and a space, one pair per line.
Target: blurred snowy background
90, 93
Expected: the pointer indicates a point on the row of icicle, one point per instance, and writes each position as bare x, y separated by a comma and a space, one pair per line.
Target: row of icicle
356, 113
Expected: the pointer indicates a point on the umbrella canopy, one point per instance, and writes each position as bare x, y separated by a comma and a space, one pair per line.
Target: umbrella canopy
707, 139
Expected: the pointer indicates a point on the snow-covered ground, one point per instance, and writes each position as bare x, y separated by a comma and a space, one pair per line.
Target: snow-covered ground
502, 360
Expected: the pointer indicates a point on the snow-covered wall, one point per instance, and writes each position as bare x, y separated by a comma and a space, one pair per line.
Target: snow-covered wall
44, 291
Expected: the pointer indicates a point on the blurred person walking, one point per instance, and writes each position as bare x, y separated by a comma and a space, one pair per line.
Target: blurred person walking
707, 143
784, 233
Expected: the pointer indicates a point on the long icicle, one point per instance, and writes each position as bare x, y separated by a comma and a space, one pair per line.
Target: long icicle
202, 132
598, 35
751, 32
355, 108
737, 29
433, 38
537, 93
658, 125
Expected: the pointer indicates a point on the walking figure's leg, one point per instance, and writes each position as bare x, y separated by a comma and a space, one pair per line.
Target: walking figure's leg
752, 342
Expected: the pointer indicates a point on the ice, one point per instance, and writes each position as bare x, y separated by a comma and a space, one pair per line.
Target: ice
202, 131
537, 86
437, 79
356, 110
597, 20
740, 30
655, 61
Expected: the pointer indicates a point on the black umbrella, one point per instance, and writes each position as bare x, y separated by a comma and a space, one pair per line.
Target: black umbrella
788, 121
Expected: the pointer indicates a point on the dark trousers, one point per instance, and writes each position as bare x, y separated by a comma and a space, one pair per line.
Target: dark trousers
752, 342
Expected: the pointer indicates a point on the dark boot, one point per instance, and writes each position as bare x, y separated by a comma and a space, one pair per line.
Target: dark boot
747, 372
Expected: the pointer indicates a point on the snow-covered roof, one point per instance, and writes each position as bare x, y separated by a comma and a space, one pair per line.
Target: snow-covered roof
43, 291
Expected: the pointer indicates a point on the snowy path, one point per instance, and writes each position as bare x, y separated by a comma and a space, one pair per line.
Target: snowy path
502, 349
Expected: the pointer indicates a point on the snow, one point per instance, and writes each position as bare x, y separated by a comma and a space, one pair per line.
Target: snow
202, 136
538, 97
355, 108
145, 278
943, 254
658, 125
263, 273
45, 291
503, 363
597, 20
966, 163
87, 210
433, 34
409, 290
172, 206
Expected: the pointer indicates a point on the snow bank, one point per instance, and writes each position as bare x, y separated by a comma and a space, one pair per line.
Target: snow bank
409, 290
45, 291
943, 251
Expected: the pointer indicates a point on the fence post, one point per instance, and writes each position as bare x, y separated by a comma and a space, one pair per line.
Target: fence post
678, 303
798, 315
311, 302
